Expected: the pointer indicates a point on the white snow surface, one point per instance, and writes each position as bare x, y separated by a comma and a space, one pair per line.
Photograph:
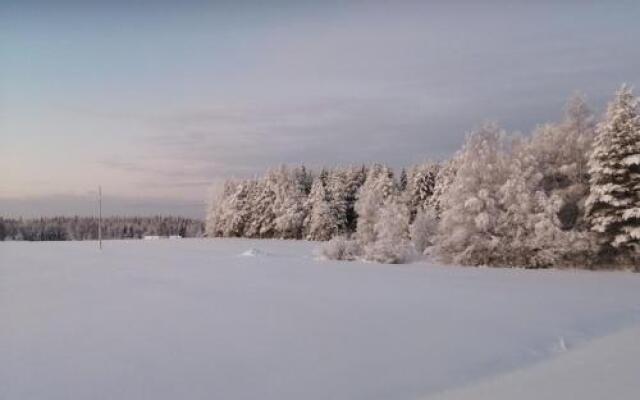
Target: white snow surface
606, 368
190, 319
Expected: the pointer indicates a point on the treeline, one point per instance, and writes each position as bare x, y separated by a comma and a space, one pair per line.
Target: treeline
86, 228
566, 195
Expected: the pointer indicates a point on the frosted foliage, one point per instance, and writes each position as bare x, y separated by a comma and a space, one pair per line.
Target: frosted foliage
218, 218
338, 192
213, 215
420, 185
443, 180
262, 223
270, 207
288, 205
392, 244
561, 150
320, 220
424, 229
471, 204
377, 187
281, 205
527, 225
614, 202
340, 248
496, 212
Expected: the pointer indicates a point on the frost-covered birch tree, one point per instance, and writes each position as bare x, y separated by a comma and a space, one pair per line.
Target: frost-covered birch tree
391, 230
470, 206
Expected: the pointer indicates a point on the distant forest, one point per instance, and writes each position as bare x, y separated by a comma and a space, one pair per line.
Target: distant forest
86, 228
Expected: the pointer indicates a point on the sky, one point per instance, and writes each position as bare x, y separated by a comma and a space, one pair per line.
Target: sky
157, 101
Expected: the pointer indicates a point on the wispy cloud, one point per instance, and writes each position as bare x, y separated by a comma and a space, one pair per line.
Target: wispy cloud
160, 103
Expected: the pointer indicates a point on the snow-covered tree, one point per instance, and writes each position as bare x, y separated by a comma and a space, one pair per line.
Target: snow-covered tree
424, 229
236, 210
613, 205
288, 205
420, 186
579, 126
403, 180
470, 206
527, 228
320, 222
560, 152
340, 248
262, 224
355, 179
303, 179
378, 187
443, 180
215, 221
391, 244
337, 193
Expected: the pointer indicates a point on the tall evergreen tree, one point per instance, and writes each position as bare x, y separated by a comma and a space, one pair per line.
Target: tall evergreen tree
337, 193
420, 186
289, 205
378, 187
303, 179
444, 178
320, 222
216, 215
355, 179
237, 211
613, 205
402, 181
262, 224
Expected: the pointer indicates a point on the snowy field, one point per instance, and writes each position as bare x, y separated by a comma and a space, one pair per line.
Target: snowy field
242, 319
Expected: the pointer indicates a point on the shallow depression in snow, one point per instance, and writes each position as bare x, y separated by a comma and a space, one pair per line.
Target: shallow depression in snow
253, 252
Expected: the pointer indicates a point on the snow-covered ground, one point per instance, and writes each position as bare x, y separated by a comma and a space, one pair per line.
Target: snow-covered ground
606, 368
241, 319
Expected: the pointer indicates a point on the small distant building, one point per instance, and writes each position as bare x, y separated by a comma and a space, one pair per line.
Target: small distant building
158, 237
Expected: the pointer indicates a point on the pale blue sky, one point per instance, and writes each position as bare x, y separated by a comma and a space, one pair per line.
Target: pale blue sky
156, 100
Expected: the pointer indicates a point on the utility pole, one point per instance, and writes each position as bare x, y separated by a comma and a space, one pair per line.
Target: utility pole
100, 217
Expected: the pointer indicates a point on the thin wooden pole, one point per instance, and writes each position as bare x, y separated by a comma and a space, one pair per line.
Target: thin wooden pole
100, 217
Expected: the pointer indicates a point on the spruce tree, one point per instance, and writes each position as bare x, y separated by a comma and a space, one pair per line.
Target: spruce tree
355, 179
402, 181
613, 205
288, 205
337, 193
320, 222
378, 187
420, 187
